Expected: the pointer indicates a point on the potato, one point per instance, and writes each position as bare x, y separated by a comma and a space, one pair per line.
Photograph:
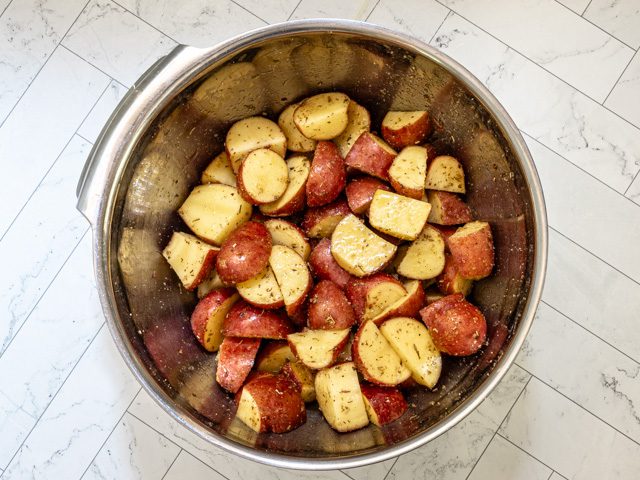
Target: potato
211, 282
370, 296
424, 259
292, 275
327, 177
303, 377
190, 258
323, 116
401, 129
375, 359
271, 403
359, 121
329, 308
447, 208
414, 345
219, 171
324, 266
458, 328
213, 211
357, 249
445, 173
318, 348
471, 247
250, 134
432, 295
244, 254
263, 177
235, 360
296, 141
340, 399
384, 215
408, 172
245, 320
406, 306
273, 356
383, 404
360, 192
292, 200
287, 234
370, 154
208, 316
450, 281
262, 290
320, 222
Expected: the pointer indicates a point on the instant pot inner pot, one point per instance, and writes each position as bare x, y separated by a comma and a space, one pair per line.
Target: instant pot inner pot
264, 79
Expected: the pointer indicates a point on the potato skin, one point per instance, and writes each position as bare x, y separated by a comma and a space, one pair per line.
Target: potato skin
324, 266
450, 281
319, 222
452, 210
409, 134
457, 327
368, 156
245, 320
473, 254
206, 307
360, 192
235, 360
357, 289
244, 254
388, 403
327, 177
329, 308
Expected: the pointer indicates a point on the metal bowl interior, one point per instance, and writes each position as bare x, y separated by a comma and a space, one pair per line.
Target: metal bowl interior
149, 312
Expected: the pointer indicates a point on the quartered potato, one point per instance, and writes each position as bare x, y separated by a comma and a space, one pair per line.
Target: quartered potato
322, 117
250, 134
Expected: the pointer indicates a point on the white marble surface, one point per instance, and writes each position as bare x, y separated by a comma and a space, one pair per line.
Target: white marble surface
568, 72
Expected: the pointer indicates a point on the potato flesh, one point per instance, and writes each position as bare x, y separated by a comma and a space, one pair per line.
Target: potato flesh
379, 359
397, 215
296, 141
299, 168
316, 348
262, 289
410, 287
219, 171
186, 254
275, 360
340, 398
213, 328
412, 342
323, 116
357, 249
265, 175
213, 211
284, 233
424, 259
291, 273
249, 412
381, 296
359, 121
253, 133
409, 168
445, 173
212, 282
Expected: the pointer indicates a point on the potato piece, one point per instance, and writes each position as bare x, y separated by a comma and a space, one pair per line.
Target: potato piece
327, 177
472, 250
246, 321
244, 254
208, 316
370, 154
431, 296
324, 266
340, 399
383, 404
318, 348
407, 306
320, 222
375, 359
447, 208
458, 327
370, 296
235, 360
408, 172
399, 216
250, 134
273, 356
211, 282
292, 275
190, 258
401, 129
360, 192
450, 281
287, 234
424, 258
292, 200
323, 116
263, 177
296, 141
303, 377
262, 290
359, 121
329, 308
445, 173
219, 171
414, 345
213, 211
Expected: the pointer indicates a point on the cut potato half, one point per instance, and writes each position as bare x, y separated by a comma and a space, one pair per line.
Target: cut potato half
191, 258
262, 290
219, 171
292, 200
323, 116
250, 134
263, 177
292, 275
399, 216
424, 259
401, 129
445, 173
318, 348
296, 141
358, 123
287, 234
408, 172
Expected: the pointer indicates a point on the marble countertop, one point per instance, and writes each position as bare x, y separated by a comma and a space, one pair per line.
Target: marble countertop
568, 71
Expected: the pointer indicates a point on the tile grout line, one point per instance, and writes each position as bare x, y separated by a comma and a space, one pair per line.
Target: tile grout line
392, 466
147, 23
372, 10
97, 68
586, 8
180, 450
440, 26
249, 11
550, 475
2, 13
527, 453
294, 10
618, 80
629, 187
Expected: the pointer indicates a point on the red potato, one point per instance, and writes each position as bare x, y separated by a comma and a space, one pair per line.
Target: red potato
208, 317
472, 250
383, 404
450, 281
211, 282
296, 141
262, 290
287, 234
320, 222
250, 134
271, 403
407, 306
370, 296
292, 275
408, 172
370, 154
445, 173
190, 258
424, 259
448, 208
324, 266
303, 377
235, 360
360, 192
245, 320
318, 348
263, 177
327, 177
329, 308
384, 215
244, 254
292, 200
457, 327
219, 171
273, 356
323, 116
358, 123
401, 129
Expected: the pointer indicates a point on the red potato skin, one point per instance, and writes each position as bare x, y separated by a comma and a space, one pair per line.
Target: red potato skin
294, 309
329, 308
269, 349
454, 210
235, 360
205, 307
387, 402
357, 289
245, 320
408, 135
327, 177
473, 255
409, 308
205, 269
450, 281
360, 192
312, 223
457, 327
368, 157
324, 266
245, 253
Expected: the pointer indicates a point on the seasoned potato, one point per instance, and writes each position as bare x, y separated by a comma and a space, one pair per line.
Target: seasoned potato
244, 254
409, 171
384, 214
323, 116
371, 295
303, 377
406, 306
360, 192
235, 360
450, 281
471, 247
292, 275
424, 259
287, 234
324, 266
359, 121
296, 141
329, 308
370, 154
318, 348
263, 177
190, 258
273, 356
401, 129
246, 321
250, 134
219, 171
445, 173
383, 404
448, 208
327, 177
208, 316
262, 290
292, 200
320, 222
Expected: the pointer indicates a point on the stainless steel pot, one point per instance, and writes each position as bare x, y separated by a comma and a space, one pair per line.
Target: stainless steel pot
173, 121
